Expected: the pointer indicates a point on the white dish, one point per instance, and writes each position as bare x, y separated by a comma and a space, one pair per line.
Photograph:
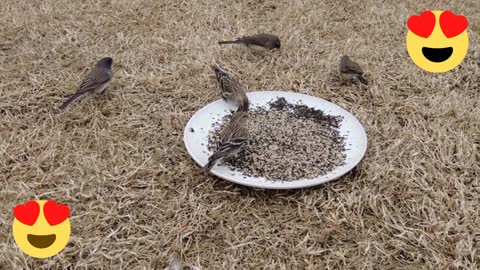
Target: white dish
197, 130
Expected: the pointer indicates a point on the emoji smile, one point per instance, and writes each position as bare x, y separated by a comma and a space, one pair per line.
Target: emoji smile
41, 241
437, 55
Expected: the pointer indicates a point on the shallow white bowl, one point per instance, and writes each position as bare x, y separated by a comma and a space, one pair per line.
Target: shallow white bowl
197, 129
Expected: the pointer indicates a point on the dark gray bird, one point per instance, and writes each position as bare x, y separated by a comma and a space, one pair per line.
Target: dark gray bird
258, 42
231, 89
96, 81
351, 71
232, 138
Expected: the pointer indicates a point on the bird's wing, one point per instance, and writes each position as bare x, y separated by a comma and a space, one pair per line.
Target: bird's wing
233, 133
93, 80
254, 40
230, 86
228, 145
352, 67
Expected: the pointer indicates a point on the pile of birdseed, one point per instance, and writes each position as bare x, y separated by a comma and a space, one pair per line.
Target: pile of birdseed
286, 142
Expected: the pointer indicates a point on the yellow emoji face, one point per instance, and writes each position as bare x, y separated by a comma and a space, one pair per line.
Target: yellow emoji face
41, 228
437, 41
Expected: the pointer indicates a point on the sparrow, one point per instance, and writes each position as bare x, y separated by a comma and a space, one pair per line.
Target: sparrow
231, 89
96, 81
258, 42
232, 138
351, 70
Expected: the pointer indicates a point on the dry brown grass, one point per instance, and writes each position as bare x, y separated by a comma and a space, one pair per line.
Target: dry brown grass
137, 198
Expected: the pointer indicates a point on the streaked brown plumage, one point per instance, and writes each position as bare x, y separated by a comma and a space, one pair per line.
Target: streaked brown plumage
351, 70
232, 138
96, 81
231, 89
258, 42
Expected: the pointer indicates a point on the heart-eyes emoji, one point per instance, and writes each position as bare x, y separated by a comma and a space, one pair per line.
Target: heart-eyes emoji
437, 41
41, 228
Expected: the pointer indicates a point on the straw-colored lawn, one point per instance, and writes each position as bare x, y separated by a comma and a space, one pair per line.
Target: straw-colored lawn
136, 197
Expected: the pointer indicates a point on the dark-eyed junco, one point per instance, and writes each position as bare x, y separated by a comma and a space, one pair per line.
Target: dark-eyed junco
258, 42
231, 89
96, 81
232, 138
351, 71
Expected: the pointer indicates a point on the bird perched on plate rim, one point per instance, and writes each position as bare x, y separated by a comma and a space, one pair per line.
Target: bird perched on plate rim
231, 89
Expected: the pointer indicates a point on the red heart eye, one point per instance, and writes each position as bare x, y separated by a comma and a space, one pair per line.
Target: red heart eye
55, 213
422, 25
451, 24
27, 213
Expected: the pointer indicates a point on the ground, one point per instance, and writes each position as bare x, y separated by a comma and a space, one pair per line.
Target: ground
137, 198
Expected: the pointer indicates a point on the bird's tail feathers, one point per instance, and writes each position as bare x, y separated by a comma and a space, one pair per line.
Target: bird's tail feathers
209, 165
362, 80
71, 99
229, 42
219, 72
223, 150
212, 160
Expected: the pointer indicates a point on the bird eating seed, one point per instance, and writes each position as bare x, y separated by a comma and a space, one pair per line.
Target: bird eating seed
286, 142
